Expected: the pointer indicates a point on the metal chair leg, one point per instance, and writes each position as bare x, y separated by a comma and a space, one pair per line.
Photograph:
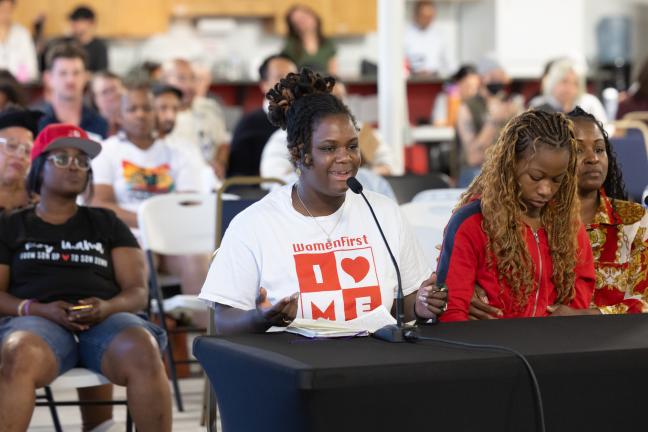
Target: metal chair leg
209, 408
212, 408
52, 408
157, 293
129, 421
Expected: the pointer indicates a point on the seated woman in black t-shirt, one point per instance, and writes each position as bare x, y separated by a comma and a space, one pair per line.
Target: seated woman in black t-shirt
71, 280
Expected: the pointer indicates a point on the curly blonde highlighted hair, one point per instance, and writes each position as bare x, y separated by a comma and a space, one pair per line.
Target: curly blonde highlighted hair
502, 206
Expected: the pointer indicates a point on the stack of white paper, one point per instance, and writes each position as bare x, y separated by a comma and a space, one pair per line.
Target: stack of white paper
322, 328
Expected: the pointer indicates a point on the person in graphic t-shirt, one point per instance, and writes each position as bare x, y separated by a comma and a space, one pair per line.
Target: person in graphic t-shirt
134, 165
72, 279
309, 249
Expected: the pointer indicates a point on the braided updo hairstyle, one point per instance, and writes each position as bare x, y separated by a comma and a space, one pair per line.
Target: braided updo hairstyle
298, 102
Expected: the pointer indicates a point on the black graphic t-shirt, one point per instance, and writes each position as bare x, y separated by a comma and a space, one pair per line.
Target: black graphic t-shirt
67, 262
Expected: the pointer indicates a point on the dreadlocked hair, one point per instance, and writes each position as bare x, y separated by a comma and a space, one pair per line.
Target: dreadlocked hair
502, 205
614, 186
297, 104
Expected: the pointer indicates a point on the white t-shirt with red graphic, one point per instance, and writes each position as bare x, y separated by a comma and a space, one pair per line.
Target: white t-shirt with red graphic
137, 174
273, 246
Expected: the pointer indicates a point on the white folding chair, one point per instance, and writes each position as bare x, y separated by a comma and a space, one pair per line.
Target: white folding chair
439, 195
428, 220
73, 379
176, 224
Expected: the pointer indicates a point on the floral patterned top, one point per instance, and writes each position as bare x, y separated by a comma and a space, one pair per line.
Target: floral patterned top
619, 238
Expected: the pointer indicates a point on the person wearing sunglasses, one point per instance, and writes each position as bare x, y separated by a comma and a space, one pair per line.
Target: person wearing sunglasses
17, 130
72, 280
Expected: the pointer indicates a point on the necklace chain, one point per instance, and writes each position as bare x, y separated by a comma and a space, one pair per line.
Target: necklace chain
328, 233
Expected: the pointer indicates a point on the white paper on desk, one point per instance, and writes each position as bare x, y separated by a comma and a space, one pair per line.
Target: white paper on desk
369, 322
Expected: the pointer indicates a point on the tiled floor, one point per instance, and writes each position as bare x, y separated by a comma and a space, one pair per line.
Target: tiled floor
187, 421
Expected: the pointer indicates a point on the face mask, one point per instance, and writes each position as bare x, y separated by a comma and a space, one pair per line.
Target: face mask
495, 87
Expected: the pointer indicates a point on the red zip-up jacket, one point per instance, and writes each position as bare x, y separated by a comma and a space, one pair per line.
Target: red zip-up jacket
463, 264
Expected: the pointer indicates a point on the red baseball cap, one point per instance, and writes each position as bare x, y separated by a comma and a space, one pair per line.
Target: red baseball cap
60, 135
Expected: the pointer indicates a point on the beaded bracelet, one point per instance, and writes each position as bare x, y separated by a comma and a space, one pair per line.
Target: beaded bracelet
20, 307
26, 306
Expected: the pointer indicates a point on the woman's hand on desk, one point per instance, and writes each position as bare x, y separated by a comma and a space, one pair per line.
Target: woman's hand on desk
281, 313
564, 310
480, 309
431, 300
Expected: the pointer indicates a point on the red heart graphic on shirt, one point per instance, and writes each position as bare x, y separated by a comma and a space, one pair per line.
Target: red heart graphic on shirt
65, 257
357, 268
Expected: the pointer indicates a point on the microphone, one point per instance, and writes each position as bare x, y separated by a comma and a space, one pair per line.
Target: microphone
394, 332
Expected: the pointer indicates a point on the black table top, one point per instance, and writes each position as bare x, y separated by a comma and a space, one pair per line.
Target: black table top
592, 372
587, 341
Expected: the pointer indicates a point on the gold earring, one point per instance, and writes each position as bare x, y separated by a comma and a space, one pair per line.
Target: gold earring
298, 171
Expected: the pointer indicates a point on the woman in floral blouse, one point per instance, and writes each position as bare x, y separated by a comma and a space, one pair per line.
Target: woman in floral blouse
618, 229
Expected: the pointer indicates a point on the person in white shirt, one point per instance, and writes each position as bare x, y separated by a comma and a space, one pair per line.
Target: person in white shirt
167, 100
309, 249
17, 51
425, 47
200, 120
564, 87
134, 165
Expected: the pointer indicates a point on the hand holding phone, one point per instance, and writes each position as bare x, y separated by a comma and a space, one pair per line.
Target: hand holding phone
80, 307
88, 311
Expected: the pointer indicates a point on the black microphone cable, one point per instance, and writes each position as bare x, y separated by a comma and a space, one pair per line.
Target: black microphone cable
356, 187
498, 348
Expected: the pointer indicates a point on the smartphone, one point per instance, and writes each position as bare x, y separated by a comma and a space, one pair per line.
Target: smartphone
79, 308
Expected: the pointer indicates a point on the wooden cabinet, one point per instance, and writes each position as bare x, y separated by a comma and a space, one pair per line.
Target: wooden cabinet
354, 17
142, 18
244, 8
115, 18
339, 17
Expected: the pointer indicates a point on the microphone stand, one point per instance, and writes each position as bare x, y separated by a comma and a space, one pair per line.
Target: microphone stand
399, 332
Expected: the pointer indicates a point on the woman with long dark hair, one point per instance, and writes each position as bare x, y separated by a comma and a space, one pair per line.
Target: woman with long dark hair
618, 229
306, 44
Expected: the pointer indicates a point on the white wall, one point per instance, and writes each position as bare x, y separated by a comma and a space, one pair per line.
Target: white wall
530, 32
476, 30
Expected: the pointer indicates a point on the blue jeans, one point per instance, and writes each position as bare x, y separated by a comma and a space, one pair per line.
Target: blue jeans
84, 349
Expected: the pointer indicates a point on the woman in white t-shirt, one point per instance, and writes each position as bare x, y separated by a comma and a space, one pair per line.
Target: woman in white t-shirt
311, 249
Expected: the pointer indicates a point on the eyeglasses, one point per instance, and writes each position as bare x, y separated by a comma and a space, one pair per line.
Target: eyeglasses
64, 160
13, 147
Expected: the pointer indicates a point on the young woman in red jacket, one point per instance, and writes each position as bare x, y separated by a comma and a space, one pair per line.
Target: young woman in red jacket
517, 232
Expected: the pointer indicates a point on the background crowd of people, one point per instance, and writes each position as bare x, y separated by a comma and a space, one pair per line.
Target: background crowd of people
544, 226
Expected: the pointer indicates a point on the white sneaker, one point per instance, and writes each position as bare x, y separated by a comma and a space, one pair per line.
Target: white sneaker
108, 426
